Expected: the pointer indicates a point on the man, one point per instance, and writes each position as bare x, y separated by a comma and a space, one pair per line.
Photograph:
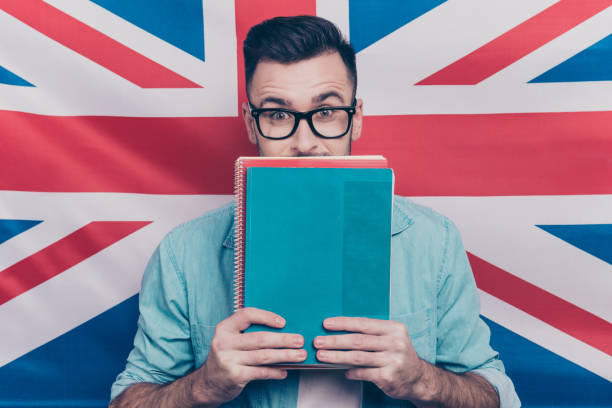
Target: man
190, 349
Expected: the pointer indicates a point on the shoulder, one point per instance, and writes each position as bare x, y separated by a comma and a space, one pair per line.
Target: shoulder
421, 219
211, 228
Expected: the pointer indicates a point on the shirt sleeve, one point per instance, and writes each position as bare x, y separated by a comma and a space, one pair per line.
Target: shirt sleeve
162, 349
463, 337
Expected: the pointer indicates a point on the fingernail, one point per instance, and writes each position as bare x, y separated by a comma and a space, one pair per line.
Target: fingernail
297, 341
301, 353
279, 321
319, 341
328, 323
322, 353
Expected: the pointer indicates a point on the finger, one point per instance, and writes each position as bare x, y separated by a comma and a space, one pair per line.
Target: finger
362, 325
354, 341
247, 316
265, 373
364, 374
352, 357
267, 340
272, 356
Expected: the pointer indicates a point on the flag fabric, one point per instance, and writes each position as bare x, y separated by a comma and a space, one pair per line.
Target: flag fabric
120, 120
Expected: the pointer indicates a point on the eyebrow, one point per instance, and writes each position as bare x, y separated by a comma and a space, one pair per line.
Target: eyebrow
325, 95
316, 99
273, 99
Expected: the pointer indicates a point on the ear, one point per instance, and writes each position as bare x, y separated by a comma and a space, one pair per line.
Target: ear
357, 120
249, 123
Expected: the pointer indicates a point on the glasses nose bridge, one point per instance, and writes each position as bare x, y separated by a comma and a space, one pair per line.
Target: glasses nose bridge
307, 116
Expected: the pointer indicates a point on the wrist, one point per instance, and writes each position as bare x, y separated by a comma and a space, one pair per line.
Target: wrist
199, 390
425, 388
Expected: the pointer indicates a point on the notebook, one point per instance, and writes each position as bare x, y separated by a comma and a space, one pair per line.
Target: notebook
313, 241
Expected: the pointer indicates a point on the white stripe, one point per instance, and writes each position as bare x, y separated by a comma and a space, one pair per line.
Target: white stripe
546, 336
502, 231
555, 52
101, 281
34, 239
70, 84
336, 11
389, 68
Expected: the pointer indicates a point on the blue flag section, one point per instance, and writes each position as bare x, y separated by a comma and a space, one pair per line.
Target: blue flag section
544, 379
77, 368
9, 78
369, 22
596, 239
592, 64
179, 22
11, 228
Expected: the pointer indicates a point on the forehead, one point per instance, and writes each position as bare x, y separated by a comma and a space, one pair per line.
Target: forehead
299, 82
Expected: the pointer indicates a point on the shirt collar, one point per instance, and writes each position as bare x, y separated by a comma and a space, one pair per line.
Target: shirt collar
399, 222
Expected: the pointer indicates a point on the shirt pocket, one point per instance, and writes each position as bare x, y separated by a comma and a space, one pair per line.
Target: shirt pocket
419, 327
202, 336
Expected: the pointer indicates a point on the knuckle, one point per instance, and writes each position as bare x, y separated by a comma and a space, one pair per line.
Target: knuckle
361, 326
399, 327
386, 377
265, 373
400, 343
245, 313
216, 343
260, 356
289, 339
358, 340
331, 341
258, 340
235, 374
359, 358
291, 355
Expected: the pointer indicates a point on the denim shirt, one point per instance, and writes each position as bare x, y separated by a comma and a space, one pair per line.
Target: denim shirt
187, 289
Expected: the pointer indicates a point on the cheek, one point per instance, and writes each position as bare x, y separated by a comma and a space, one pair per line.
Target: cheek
273, 147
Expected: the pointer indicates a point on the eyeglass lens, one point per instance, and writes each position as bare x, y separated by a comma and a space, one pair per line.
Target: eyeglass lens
279, 124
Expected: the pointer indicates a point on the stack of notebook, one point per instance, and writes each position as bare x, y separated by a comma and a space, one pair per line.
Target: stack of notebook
313, 240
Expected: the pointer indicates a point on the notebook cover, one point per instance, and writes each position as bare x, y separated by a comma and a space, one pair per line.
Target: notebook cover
317, 245
244, 162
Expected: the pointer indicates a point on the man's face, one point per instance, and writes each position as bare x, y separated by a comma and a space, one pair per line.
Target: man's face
302, 86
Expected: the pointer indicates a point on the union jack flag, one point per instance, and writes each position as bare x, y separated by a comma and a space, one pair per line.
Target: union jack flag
120, 120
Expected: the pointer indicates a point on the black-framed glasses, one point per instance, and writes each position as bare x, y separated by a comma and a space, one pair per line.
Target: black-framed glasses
329, 122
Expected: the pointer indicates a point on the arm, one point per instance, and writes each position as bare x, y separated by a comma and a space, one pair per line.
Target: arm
385, 356
462, 349
161, 366
233, 361
177, 394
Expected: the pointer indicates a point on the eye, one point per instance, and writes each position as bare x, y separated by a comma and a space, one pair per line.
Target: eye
279, 115
325, 114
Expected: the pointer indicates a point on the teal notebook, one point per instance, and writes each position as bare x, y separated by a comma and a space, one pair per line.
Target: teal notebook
317, 245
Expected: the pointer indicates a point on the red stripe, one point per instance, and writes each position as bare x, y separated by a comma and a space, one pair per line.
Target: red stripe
251, 12
500, 154
63, 254
543, 305
516, 43
504, 154
94, 45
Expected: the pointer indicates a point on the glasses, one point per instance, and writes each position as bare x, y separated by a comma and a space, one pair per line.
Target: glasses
329, 122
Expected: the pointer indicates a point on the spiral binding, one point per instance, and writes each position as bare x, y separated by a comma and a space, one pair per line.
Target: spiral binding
239, 208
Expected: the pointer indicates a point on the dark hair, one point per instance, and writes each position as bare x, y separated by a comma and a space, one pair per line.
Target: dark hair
293, 39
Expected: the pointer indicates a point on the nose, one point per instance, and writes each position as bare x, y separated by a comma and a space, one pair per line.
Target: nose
304, 141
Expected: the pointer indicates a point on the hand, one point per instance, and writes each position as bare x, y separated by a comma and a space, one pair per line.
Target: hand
234, 356
380, 348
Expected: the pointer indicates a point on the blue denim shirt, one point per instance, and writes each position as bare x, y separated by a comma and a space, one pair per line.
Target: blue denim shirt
187, 290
